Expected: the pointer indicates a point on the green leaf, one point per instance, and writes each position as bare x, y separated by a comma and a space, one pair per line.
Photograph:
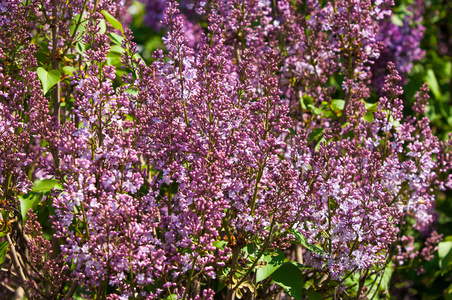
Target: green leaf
29, 200
433, 84
371, 107
396, 20
117, 49
384, 280
219, 244
273, 262
80, 20
45, 185
3, 249
289, 277
445, 254
48, 79
116, 38
337, 104
113, 22
69, 70
369, 117
448, 293
305, 101
113, 59
314, 295
301, 239
315, 134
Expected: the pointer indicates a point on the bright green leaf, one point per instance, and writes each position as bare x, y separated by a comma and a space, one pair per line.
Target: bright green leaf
371, 107
273, 262
48, 79
445, 254
337, 104
369, 117
45, 185
29, 200
289, 277
117, 49
113, 22
69, 70
396, 20
3, 249
219, 244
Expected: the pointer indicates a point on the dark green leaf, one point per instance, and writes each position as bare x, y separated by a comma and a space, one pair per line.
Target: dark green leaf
314, 295
315, 134
289, 277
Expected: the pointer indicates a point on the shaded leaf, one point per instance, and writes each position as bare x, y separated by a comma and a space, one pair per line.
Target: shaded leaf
314, 295
315, 134
289, 277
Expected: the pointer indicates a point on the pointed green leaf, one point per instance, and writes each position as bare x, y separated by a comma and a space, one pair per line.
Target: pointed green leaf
113, 22
48, 79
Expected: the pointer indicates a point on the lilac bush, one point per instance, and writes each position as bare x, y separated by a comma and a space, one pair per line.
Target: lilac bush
224, 168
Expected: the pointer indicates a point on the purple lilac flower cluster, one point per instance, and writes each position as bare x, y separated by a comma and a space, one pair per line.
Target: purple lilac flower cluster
187, 177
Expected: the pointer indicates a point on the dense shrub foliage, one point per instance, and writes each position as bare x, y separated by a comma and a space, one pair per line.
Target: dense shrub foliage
262, 152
